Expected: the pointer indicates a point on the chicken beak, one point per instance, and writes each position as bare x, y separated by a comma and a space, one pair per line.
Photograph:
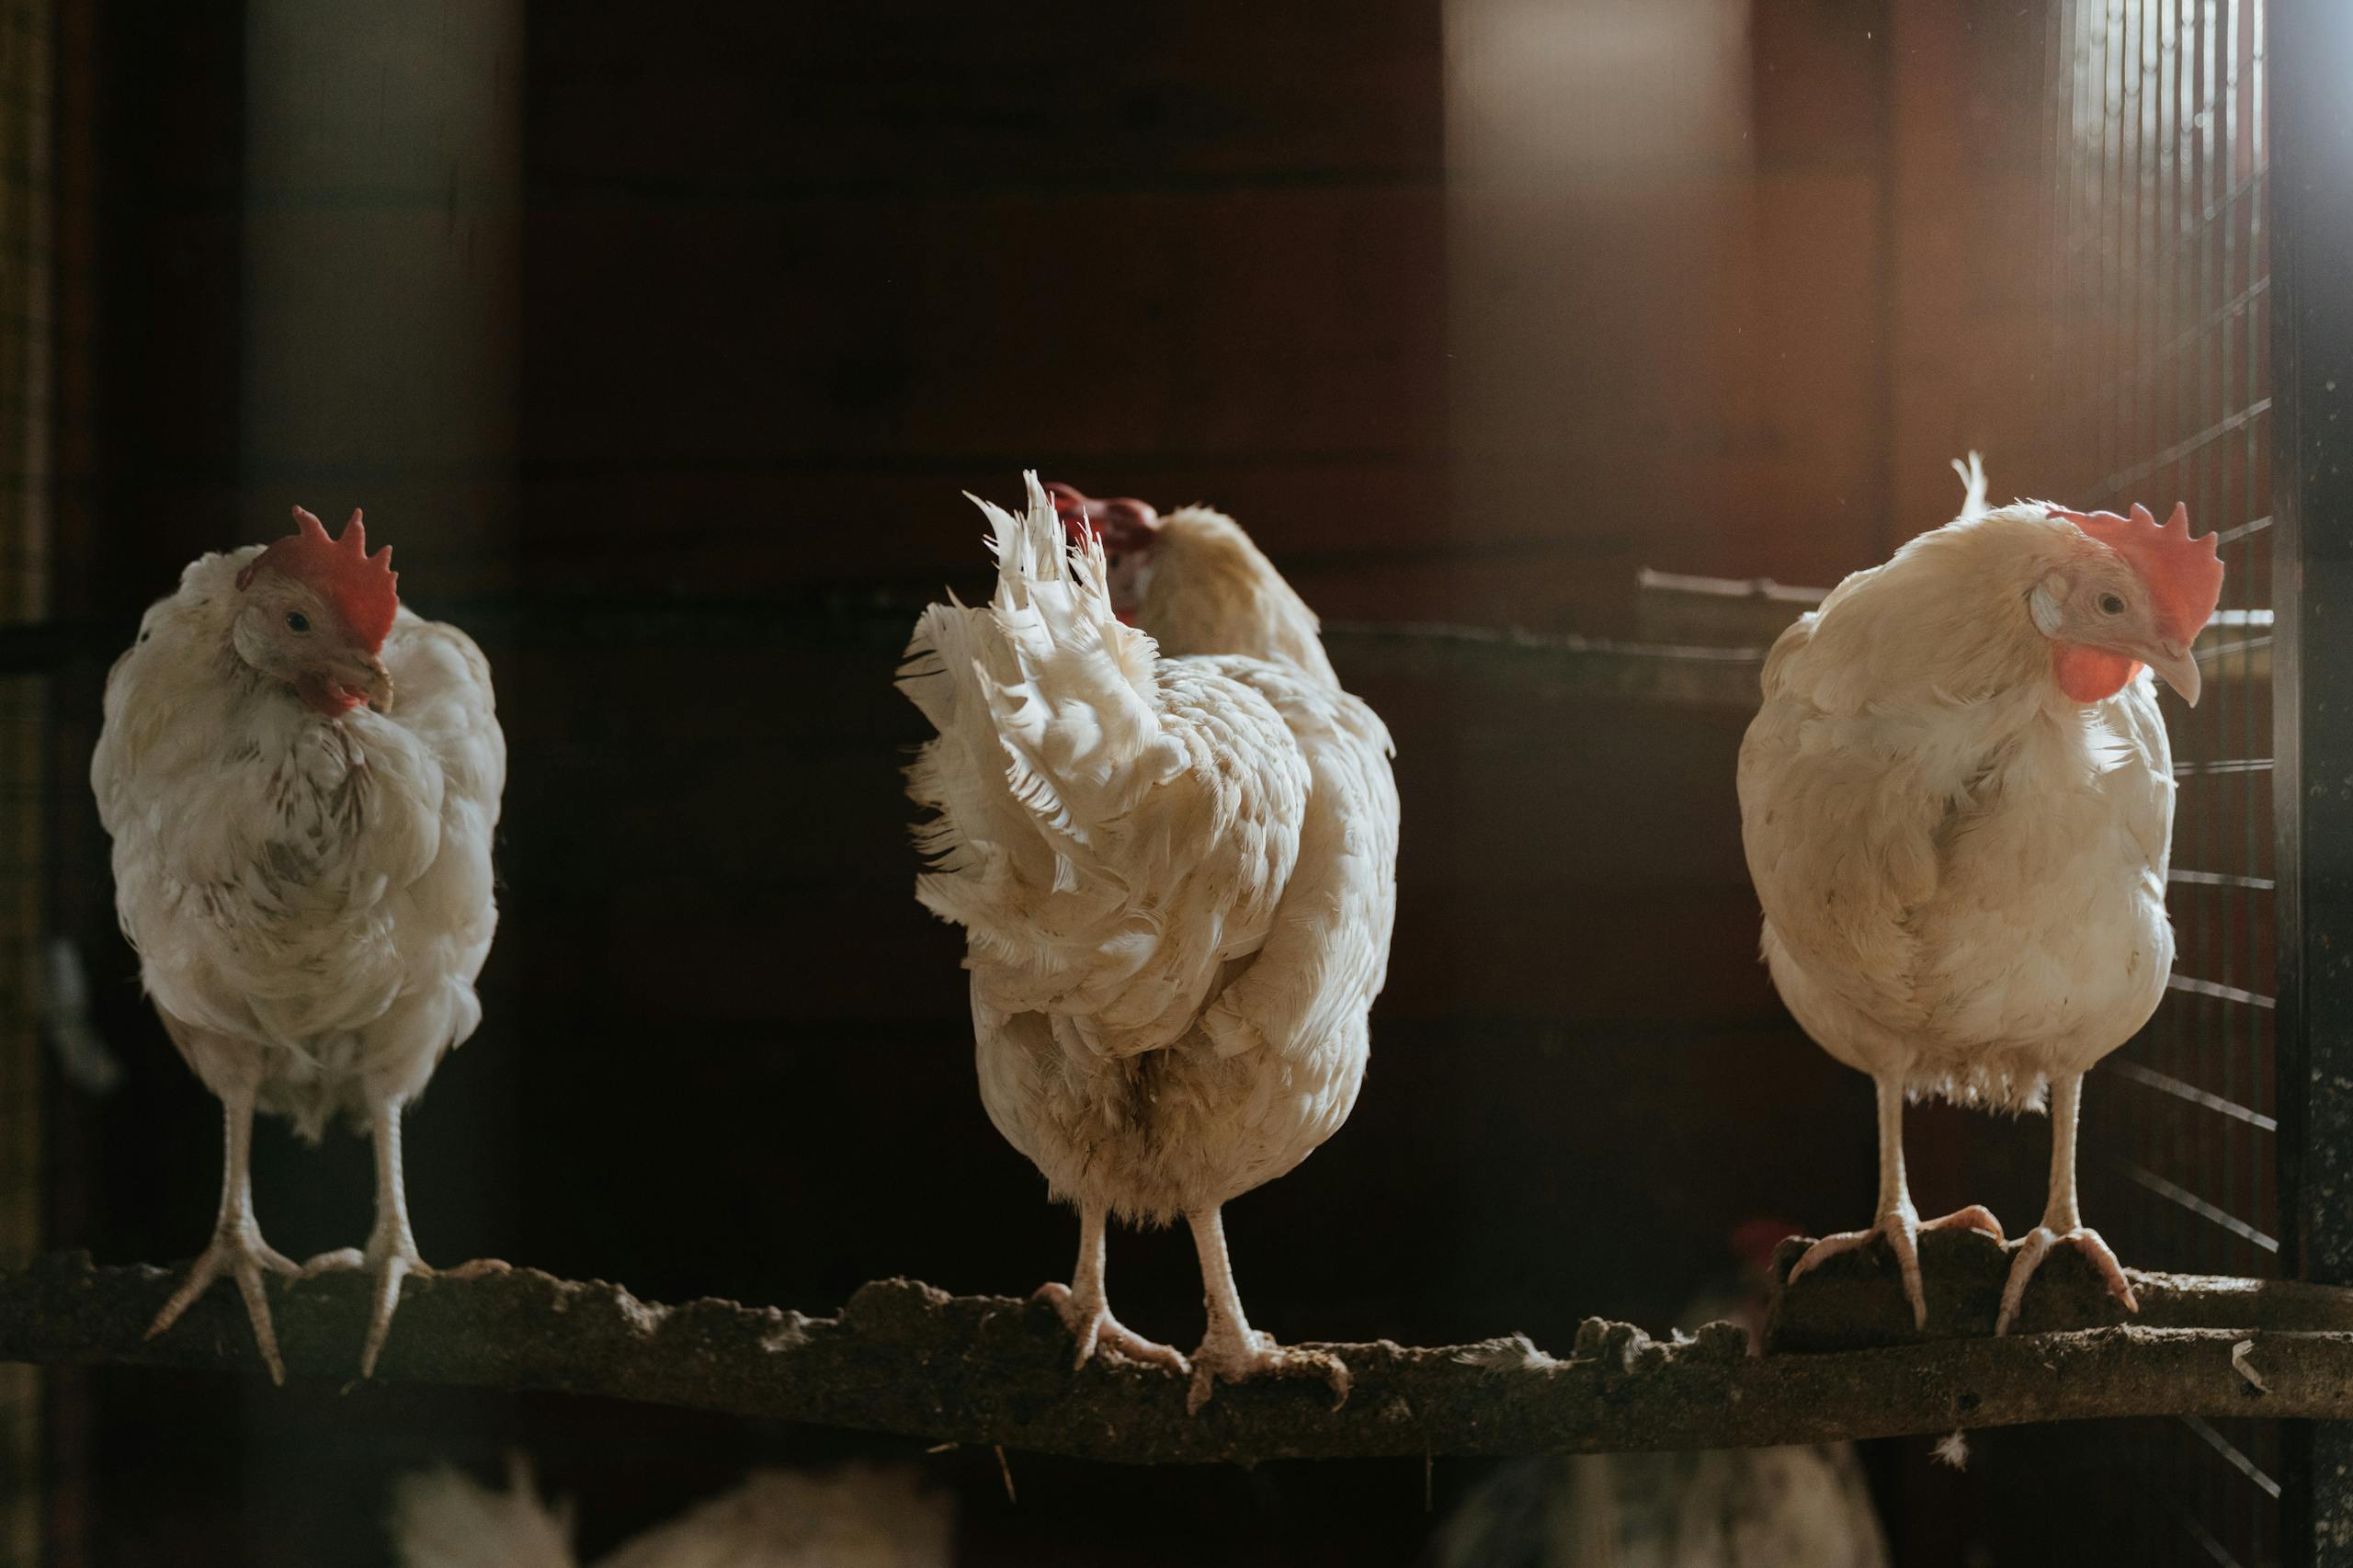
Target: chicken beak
369, 679
2177, 665
380, 686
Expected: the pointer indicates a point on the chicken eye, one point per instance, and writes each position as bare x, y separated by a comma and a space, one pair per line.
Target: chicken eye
297, 621
2111, 604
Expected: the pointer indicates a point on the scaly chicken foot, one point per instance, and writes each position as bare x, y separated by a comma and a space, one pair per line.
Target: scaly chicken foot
1085, 1310
2062, 1223
237, 1249
1899, 1222
239, 1253
1900, 1228
391, 1254
1232, 1351
391, 1263
1093, 1326
1233, 1356
2038, 1244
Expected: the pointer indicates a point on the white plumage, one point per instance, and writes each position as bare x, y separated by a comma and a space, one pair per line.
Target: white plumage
1173, 851
858, 1517
444, 1518
1962, 866
1802, 1506
310, 892
1805, 1505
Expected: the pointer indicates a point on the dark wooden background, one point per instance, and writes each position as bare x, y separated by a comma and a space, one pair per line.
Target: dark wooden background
777, 283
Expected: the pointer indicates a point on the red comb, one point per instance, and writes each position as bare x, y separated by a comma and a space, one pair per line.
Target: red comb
1124, 524
2184, 574
362, 587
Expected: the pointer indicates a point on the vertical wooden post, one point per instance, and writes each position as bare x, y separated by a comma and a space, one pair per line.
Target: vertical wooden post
2310, 50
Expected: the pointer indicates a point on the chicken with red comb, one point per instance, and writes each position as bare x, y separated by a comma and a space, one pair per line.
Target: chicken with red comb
303, 865
1171, 839
362, 589
1957, 802
1127, 529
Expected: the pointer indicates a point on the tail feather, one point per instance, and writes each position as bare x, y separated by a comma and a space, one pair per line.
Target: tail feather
1972, 478
1050, 727
442, 1519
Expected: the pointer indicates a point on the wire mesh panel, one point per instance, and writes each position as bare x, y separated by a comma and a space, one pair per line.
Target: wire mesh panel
2157, 389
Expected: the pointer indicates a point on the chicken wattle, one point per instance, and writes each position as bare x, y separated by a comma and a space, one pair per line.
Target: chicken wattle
302, 864
1957, 802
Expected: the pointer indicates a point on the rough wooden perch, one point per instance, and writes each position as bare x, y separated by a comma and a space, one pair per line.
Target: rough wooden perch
904, 1357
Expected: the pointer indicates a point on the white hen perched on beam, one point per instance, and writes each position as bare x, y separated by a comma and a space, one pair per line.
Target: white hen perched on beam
1957, 802
306, 876
1173, 849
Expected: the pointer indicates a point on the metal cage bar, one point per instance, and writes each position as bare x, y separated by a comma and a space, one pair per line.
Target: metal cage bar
2158, 294
2312, 348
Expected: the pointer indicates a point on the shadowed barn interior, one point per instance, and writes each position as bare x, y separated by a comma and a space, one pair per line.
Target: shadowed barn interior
660, 341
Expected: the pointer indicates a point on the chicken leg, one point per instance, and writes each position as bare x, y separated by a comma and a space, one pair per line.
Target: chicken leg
2062, 1225
390, 1252
237, 1249
1899, 1223
1232, 1349
1086, 1311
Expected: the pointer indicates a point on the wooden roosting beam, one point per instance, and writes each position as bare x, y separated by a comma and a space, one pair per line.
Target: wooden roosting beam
904, 1357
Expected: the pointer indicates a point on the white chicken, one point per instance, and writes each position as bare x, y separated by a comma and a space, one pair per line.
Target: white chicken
1957, 802
1806, 1506
858, 1517
306, 877
1172, 845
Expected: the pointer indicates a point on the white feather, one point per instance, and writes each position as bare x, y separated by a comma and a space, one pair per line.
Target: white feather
1972, 482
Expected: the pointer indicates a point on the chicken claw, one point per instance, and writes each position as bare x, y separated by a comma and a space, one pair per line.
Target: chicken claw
239, 1252
1228, 1357
1091, 1323
1901, 1227
391, 1265
2036, 1245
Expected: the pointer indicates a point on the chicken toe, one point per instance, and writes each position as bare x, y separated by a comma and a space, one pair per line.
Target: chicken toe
237, 1249
391, 1254
1901, 1227
2037, 1244
1976, 1216
238, 1252
390, 1262
1091, 1323
1232, 1350
1227, 1356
